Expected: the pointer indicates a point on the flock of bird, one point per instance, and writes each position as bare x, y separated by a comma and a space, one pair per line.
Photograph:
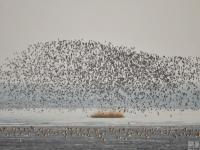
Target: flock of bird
89, 74
103, 134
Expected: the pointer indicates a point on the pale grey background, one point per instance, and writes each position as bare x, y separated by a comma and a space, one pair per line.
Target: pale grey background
169, 27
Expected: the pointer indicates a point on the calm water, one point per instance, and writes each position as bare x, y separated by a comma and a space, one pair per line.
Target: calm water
80, 117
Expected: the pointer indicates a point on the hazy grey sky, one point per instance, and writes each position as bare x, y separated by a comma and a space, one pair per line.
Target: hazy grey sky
170, 27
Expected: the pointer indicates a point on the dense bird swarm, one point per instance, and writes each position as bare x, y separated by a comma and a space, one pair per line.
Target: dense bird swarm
79, 74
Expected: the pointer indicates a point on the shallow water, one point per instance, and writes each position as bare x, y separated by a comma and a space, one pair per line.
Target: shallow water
79, 117
46, 130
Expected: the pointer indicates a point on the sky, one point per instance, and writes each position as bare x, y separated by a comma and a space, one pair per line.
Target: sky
165, 27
